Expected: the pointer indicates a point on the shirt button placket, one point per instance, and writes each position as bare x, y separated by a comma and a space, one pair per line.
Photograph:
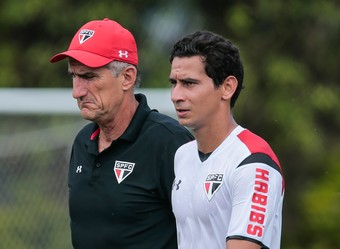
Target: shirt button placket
96, 169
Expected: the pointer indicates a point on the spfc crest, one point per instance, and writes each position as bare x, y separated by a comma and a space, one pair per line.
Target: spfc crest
212, 183
122, 170
84, 35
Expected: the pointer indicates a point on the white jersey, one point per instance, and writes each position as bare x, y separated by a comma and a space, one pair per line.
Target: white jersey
237, 193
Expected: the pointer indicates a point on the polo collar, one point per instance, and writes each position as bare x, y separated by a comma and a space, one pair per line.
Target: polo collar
136, 124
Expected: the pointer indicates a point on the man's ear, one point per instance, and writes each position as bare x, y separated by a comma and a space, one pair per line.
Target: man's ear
229, 87
130, 75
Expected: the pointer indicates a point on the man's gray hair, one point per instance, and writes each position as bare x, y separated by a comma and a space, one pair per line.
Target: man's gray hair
117, 67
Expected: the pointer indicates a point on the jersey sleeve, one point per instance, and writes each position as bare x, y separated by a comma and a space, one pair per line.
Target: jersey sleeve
257, 193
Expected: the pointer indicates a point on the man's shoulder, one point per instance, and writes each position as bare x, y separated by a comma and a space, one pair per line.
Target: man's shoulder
166, 122
188, 148
254, 142
258, 147
165, 129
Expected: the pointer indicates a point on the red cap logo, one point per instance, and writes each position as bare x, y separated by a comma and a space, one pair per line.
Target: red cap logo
84, 35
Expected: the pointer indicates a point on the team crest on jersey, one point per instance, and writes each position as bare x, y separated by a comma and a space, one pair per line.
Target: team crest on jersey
123, 170
212, 183
84, 35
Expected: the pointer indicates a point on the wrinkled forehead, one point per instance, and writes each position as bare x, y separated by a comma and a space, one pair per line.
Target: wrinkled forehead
187, 65
75, 66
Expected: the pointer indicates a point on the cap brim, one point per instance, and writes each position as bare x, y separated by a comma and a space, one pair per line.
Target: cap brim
84, 57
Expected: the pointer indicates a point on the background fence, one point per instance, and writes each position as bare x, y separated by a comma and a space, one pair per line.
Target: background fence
36, 133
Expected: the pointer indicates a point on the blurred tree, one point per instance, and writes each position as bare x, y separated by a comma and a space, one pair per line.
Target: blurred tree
291, 55
33, 31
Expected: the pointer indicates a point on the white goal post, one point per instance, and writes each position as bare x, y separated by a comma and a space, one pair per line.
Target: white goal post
60, 101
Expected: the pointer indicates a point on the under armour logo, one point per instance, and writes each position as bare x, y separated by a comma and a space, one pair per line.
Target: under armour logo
177, 184
78, 170
123, 53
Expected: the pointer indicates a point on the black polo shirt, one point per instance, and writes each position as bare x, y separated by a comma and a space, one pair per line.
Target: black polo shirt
120, 198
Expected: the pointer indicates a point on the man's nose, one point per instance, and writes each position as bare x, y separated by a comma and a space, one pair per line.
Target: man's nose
176, 93
79, 89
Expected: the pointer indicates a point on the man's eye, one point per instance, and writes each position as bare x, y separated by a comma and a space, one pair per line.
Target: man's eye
87, 77
83, 76
189, 83
172, 82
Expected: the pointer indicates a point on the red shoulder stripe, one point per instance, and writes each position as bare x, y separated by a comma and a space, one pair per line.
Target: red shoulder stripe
257, 144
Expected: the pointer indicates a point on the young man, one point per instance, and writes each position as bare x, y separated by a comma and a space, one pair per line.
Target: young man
228, 188
121, 167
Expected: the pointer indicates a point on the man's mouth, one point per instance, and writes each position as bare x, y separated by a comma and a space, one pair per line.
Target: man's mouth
181, 112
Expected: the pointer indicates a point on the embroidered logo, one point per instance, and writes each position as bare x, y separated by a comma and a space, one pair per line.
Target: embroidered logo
176, 185
79, 168
212, 183
122, 170
124, 54
84, 35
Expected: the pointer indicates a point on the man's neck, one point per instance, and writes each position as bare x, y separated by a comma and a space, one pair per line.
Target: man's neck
209, 138
113, 128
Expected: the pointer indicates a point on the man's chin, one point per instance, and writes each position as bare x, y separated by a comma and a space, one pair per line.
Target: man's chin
88, 115
183, 122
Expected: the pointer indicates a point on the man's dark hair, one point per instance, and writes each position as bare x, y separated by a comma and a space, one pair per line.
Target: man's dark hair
220, 56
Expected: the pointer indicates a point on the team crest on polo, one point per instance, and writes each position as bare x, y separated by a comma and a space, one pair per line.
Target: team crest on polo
123, 170
84, 35
212, 183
